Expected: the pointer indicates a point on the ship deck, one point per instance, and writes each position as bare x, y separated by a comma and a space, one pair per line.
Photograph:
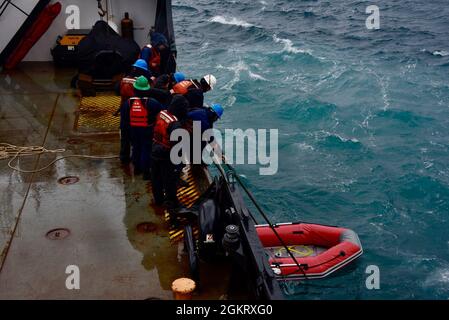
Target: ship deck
103, 217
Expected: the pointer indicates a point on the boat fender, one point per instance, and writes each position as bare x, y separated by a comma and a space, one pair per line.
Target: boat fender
190, 248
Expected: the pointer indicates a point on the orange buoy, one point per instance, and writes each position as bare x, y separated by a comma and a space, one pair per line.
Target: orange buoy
183, 288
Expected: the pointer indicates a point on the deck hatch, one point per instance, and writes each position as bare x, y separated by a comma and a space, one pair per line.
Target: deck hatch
96, 115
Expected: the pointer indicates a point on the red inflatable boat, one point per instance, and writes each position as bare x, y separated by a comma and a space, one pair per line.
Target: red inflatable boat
319, 250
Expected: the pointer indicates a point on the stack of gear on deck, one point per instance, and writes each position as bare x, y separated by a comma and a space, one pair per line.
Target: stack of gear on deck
65, 53
103, 57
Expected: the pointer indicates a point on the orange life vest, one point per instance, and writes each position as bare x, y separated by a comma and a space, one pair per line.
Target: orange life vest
163, 121
183, 87
127, 88
138, 113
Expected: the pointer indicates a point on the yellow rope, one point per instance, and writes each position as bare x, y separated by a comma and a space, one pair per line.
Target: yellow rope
12, 152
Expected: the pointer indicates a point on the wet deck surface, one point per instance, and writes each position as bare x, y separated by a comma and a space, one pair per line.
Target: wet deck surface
101, 211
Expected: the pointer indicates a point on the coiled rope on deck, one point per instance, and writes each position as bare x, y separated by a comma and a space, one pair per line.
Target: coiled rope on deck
12, 152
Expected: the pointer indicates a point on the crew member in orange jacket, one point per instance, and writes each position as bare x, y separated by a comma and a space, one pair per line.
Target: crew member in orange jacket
165, 174
139, 114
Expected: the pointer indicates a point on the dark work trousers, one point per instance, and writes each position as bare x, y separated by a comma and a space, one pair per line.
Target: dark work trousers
142, 143
164, 178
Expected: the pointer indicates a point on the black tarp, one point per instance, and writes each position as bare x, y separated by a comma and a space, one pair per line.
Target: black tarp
104, 53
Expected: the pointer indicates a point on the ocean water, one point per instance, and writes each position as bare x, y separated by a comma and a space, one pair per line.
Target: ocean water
363, 119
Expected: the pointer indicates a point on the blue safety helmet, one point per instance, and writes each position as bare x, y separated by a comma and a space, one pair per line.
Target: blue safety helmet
218, 109
141, 64
179, 76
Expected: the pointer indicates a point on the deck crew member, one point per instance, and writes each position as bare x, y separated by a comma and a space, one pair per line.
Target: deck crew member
165, 173
176, 78
126, 90
160, 90
140, 112
140, 68
156, 53
206, 116
194, 90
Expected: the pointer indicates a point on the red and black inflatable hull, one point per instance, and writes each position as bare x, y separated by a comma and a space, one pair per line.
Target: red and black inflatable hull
337, 248
33, 34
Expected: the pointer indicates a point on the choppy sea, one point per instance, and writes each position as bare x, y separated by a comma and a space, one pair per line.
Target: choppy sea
363, 119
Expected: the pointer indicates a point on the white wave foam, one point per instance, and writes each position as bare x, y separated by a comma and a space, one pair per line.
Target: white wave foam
441, 53
325, 134
384, 84
205, 45
343, 139
288, 45
230, 21
439, 277
256, 76
237, 69
304, 146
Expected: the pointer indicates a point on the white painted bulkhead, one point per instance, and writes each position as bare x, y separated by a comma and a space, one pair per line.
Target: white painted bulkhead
142, 12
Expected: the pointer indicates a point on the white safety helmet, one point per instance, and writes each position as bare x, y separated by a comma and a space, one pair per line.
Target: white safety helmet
210, 80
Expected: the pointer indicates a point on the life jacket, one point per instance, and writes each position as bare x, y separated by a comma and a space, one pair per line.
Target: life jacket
183, 87
127, 88
163, 121
138, 113
155, 61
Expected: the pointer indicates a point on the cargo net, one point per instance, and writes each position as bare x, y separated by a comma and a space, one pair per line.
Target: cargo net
188, 195
98, 114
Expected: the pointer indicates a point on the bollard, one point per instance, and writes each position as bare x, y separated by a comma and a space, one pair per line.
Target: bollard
183, 288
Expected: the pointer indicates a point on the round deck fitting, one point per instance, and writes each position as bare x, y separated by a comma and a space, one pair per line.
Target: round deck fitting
68, 180
58, 234
183, 288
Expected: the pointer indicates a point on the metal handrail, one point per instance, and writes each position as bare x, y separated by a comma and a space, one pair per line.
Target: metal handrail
5, 5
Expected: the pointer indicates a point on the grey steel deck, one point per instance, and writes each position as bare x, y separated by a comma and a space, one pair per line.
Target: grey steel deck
102, 211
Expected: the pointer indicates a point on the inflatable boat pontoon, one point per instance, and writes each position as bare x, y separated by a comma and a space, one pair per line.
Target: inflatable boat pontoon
316, 251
